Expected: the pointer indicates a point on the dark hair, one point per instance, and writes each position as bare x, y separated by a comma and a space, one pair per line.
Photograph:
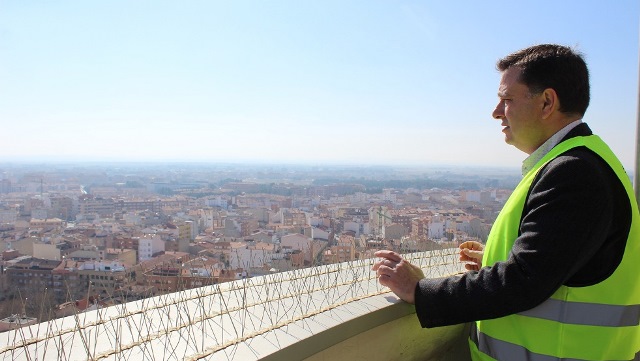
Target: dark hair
553, 66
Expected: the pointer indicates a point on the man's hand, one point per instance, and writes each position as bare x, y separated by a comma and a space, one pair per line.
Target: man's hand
471, 252
399, 275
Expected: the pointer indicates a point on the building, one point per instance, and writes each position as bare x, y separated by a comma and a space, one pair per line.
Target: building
343, 251
248, 256
127, 256
436, 228
149, 246
67, 282
43, 223
62, 207
46, 251
31, 278
297, 242
8, 216
177, 272
103, 207
104, 279
394, 231
291, 217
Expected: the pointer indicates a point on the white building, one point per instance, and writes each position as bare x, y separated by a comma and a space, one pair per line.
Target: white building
437, 228
359, 228
317, 233
389, 196
251, 256
296, 242
216, 202
149, 245
103, 266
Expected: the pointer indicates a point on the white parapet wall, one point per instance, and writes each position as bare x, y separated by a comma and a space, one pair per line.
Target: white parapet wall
308, 313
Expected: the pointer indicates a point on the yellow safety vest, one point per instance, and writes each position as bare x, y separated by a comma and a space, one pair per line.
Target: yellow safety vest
598, 322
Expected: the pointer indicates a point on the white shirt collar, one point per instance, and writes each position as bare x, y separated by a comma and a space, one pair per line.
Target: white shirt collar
546, 147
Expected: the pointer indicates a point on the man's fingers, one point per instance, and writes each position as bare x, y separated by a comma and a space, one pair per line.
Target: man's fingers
473, 254
389, 263
384, 280
472, 245
384, 270
471, 267
384, 262
376, 266
390, 255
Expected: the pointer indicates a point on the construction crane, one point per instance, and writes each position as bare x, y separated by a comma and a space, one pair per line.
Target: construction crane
381, 215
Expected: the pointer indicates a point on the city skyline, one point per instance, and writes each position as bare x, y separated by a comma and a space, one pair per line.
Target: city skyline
400, 83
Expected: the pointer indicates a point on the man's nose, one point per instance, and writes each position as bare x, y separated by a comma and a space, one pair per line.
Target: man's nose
498, 112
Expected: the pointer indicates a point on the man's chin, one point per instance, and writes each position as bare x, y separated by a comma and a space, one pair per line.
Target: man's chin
507, 136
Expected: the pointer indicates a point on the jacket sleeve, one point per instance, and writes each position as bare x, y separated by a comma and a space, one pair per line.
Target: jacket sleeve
566, 219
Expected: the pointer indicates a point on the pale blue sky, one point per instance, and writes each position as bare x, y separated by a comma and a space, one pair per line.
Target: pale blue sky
313, 82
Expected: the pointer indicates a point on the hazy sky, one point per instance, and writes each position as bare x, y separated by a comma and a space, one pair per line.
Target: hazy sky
313, 82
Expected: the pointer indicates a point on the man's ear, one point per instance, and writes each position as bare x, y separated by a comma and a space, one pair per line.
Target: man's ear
550, 102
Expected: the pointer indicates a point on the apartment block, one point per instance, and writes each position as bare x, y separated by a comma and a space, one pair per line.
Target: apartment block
105, 278
29, 276
148, 246
103, 207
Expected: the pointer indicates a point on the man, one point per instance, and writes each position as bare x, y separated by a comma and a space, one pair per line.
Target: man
559, 276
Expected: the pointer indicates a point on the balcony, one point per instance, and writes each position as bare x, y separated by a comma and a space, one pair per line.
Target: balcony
336, 312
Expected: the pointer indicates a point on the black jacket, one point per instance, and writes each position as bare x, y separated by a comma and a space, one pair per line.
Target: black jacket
573, 232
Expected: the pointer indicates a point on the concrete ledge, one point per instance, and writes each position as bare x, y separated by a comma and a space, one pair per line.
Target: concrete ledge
337, 311
392, 333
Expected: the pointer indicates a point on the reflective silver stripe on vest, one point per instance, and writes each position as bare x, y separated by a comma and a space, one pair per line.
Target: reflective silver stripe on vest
590, 314
502, 350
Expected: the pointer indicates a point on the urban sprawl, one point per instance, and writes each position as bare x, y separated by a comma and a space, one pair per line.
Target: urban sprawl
77, 237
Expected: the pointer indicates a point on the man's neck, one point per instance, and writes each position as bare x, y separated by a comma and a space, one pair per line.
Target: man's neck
542, 150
